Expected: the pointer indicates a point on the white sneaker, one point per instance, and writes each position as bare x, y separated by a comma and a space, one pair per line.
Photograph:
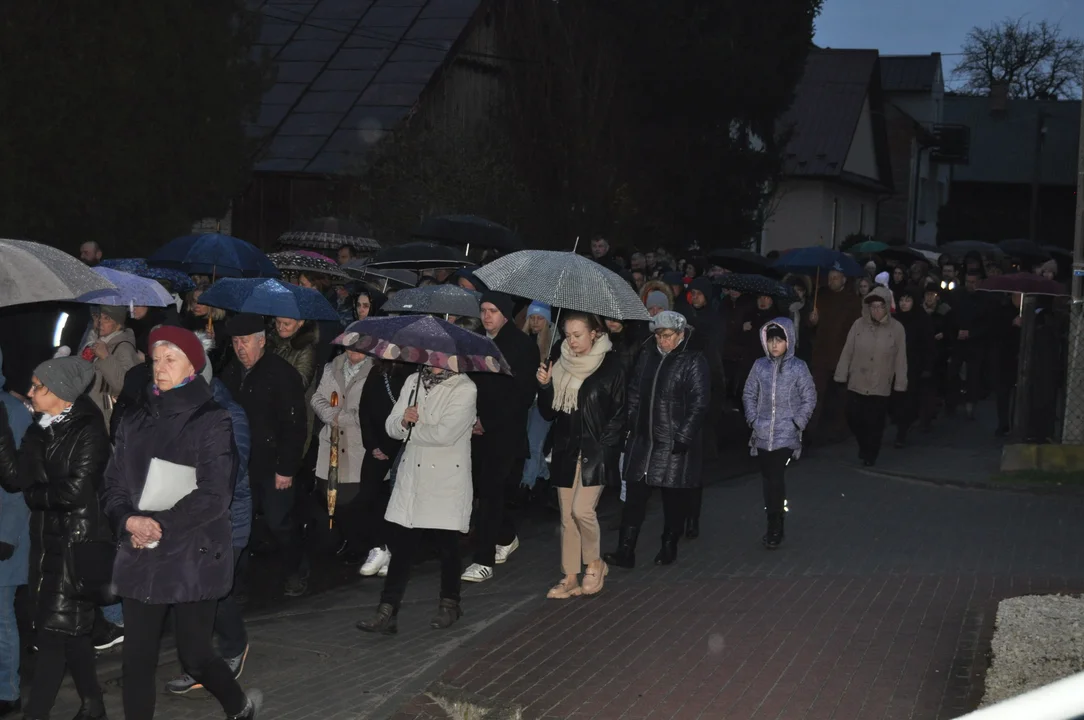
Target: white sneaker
383, 572
477, 573
503, 551
378, 560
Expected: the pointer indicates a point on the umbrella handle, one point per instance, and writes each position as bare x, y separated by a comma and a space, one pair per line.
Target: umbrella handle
817, 288
413, 399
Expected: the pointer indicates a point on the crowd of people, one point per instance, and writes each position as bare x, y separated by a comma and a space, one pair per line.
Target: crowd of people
244, 412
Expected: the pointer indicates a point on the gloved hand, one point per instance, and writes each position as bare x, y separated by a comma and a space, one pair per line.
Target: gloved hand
680, 448
6, 551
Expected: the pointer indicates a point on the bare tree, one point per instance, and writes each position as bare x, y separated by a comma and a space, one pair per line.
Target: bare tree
1032, 61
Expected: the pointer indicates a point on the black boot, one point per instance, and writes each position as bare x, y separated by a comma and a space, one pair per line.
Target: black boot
447, 614
774, 536
692, 527
625, 555
385, 622
668, 553
252, 707
91, 710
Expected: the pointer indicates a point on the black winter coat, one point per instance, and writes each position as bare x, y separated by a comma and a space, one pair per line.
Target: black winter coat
194, 559
60, 473
594, 431
503, 401
274, 401
378, 396
668, 400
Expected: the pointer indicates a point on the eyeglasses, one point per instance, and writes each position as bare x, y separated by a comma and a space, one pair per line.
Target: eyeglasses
35, 387
666, 334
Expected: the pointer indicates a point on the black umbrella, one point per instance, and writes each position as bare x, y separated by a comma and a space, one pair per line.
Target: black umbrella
963, 247
299, 262
360, 270
742, 261
468, 230
903, 254
1023, 249
419, 256
328, 233
750, 284
435, 300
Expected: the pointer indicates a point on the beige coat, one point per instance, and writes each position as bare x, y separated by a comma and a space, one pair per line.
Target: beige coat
433, 483
351, 449
109, 371
874, 353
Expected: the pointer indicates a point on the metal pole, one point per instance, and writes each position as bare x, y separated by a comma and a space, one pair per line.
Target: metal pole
1036, 172
1073, 430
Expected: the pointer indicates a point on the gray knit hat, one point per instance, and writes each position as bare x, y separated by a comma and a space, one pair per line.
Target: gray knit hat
657, 298
669, 320
65, 377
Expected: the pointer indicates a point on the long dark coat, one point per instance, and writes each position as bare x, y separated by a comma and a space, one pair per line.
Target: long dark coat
194, 559
668, 400
593, 431
60, 473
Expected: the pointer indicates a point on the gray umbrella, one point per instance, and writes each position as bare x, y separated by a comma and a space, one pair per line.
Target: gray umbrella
564, 280
435, 300
31, 273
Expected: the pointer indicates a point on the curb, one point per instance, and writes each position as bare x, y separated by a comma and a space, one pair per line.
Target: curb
1009, 486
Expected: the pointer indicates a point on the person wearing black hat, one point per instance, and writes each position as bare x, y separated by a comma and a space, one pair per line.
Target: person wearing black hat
500, 444
273, 397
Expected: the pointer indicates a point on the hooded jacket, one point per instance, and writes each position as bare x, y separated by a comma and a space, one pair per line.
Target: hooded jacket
779, 396
14, 515
875, 353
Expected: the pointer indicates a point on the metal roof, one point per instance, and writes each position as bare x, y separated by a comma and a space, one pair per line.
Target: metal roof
347, 71
1003, 143
909, 73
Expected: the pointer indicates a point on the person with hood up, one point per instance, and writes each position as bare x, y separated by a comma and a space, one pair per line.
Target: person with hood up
666, 408
874, 359
657, 297
779, 398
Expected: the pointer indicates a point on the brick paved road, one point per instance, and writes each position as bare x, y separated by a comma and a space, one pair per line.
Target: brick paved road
879, 605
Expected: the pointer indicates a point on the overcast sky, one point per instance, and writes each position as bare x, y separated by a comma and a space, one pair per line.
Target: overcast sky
907, 27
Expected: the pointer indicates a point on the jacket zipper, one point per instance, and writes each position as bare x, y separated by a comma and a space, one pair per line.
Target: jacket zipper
651, 408
771, 426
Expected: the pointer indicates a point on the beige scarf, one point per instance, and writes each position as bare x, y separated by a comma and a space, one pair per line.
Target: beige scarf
571, 370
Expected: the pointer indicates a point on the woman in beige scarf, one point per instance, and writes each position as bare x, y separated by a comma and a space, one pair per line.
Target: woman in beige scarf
583, 394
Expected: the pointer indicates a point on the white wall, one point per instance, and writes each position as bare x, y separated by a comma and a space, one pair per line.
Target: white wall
803, 215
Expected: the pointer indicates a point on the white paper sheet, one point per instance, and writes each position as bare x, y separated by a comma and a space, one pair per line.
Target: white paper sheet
167, 483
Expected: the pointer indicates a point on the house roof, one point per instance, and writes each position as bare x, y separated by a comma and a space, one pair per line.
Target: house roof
827, 107
347, 71
909, 73
1003, 143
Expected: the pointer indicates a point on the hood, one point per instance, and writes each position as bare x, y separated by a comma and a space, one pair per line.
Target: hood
657, 286
703, 284
220, 394
883, 293
792, 278
788, 329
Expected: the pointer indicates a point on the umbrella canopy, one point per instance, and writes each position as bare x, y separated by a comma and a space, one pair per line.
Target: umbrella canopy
178, 281
306, 262
564, 280
128, 290
270, 297
1062, 255
424, 340
31, 273
868, 247
749, 284
214, 254
742, 261
360, 270
906, 255
328, 233
959, 248
1023, 282
468, 230
1023, 249
419, 256
818, 260
435, 300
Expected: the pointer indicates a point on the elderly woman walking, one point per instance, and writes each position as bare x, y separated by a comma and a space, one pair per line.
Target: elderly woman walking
583, 394
668, 399
177, 557
61, 460
434, 416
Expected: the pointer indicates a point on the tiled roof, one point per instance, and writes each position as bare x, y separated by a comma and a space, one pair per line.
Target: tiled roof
909, 73
347, 71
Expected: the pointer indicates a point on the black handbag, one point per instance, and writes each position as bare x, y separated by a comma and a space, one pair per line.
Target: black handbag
91, 570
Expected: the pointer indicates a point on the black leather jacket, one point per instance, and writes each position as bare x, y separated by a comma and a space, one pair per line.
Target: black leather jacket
594, 431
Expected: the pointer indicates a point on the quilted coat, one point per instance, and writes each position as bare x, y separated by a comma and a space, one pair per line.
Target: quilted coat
667, 402
779, 396
60, 472
874, 359
194, 559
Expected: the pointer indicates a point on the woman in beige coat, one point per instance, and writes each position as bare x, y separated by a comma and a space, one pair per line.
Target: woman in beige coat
433, 489
112, 349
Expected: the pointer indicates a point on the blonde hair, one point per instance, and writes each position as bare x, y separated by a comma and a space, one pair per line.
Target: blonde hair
543, 338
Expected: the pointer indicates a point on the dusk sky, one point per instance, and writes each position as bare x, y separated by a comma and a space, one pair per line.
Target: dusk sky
903, 27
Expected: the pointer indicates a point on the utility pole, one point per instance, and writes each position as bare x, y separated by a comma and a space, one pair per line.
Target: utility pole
1073, 431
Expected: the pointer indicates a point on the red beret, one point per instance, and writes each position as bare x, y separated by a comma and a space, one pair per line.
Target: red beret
186, 340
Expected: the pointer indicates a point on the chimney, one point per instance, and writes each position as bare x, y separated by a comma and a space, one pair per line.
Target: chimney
999, 96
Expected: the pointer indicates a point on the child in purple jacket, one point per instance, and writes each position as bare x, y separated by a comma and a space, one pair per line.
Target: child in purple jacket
779, 398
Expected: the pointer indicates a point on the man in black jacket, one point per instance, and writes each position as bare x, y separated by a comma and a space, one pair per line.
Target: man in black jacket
500, 442
273, 397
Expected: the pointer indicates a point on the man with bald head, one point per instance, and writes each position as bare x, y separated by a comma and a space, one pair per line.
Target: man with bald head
90, 253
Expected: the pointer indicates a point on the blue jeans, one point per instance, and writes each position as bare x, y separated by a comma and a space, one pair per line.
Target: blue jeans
535, 467
114, 614
9, 645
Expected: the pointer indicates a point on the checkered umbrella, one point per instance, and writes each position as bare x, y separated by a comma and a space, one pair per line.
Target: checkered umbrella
304, 262
435, 300
564, 280
329, 233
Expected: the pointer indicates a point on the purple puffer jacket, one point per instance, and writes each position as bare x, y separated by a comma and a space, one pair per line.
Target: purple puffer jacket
779, 396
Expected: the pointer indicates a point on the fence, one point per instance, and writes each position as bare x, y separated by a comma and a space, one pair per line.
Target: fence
1041, 400
1073, 425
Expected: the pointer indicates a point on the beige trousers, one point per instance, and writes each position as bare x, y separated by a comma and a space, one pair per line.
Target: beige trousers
581, 537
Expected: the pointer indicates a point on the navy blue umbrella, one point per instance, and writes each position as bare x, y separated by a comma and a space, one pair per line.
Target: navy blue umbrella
818, 260
273, 298
178, 281
214, 254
